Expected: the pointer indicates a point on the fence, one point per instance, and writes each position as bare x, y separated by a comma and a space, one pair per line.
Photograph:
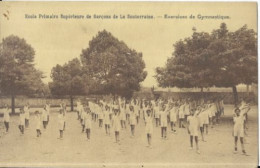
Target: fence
40, 102
227, 96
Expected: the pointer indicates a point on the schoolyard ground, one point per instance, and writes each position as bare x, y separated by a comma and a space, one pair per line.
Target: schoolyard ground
101, 151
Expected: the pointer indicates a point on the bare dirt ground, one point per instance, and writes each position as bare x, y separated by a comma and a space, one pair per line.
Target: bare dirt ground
101, 151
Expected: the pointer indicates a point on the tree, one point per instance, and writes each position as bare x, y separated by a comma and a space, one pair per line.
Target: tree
236, 56
222, 59
113, 67
18, 75
189, 65
69, 80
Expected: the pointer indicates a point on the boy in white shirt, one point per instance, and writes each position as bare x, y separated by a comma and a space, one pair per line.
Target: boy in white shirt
157, 114
193, 128
173, 117
136, 110
64, 117
222, 106
132, 120
81, 110
78, 108
245, 107
238, 131
100, 114
116, 124
186, 110
27, 115
107, 121
61, 123
44, 117
48, 108
123, 116
181, 116
6, 118
149, 126
163, 121
88, 123
127, 111
207, 117
38, 123
83, 116
201, 118
22, 121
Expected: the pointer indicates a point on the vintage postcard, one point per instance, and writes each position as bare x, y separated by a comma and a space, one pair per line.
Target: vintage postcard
128, 84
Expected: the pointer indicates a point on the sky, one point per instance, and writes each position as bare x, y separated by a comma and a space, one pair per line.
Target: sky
57, 41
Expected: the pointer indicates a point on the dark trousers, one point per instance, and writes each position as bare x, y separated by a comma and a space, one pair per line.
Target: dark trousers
78, 115
61, 133
26, 123
132, 129
6, 126
21, 128
44, 124
157, 121
83, 128
48, 119
64, 126
100, 122
164, 132
38, 132
88, 133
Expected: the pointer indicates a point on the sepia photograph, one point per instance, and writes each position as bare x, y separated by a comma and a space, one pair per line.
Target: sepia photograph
129, 84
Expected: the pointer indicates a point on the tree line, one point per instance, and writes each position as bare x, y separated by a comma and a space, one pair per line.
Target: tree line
221, 58
108, 66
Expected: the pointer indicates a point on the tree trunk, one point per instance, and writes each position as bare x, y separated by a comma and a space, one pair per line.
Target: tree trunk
247, 90
234, 88
201, 89
114, 98
71, 103
13, 103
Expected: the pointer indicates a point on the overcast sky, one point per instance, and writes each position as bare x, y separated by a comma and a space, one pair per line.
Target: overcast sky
57, 41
